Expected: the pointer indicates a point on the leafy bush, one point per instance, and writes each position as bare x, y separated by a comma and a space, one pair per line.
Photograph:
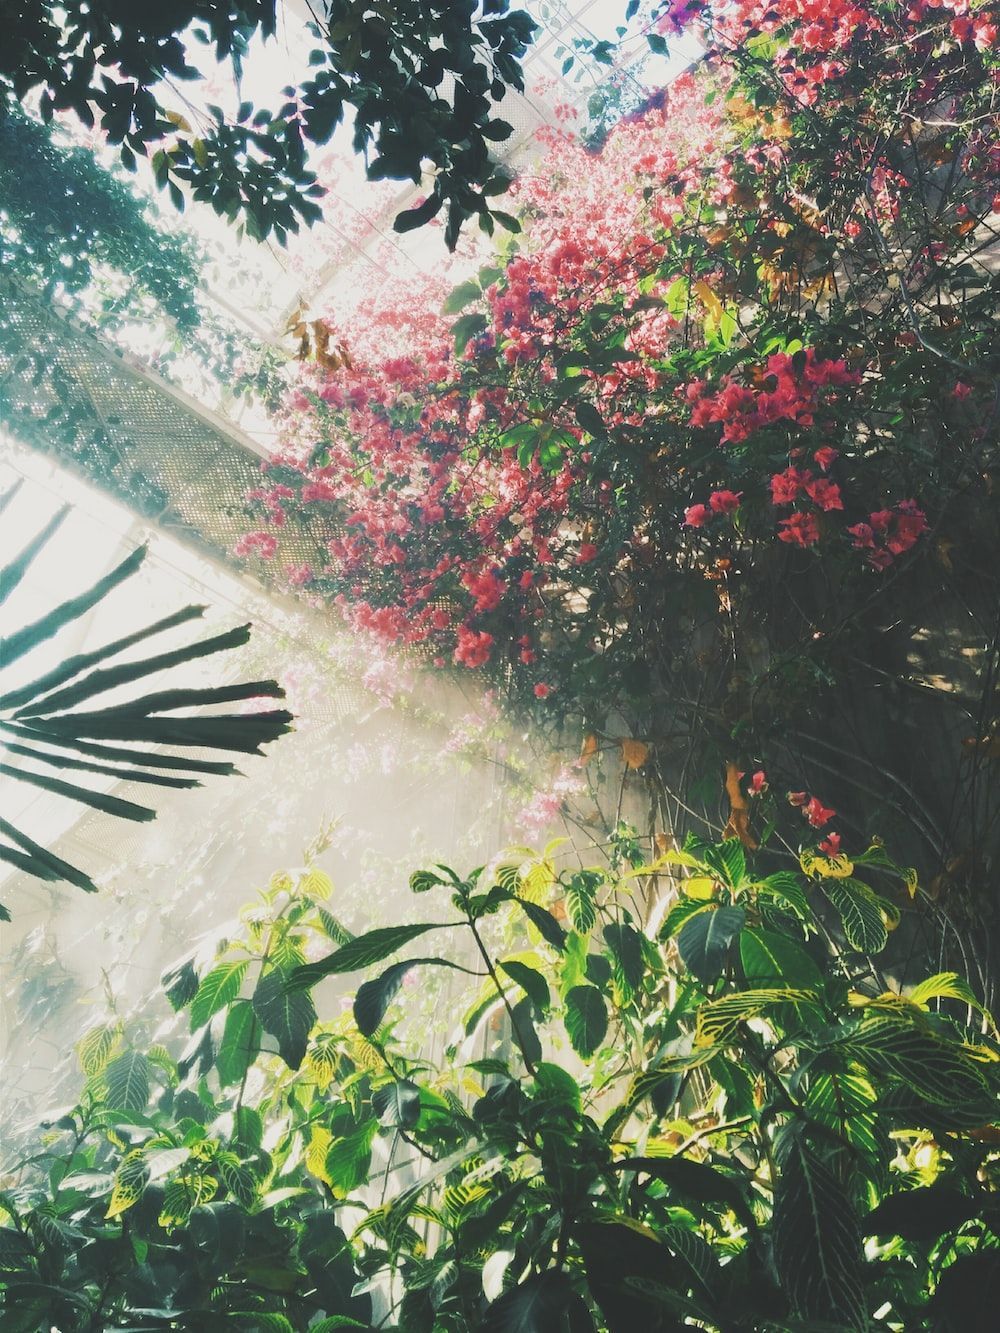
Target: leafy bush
673, 1101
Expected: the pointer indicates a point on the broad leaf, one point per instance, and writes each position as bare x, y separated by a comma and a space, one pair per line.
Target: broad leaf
544, 1303
287, 1015
864, 924
817, 1239
217, 989
586, 1019
362, 951
239, 1045
126, 1080
704, 941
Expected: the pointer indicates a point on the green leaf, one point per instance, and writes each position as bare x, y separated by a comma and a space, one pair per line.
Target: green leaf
704, 941
682, 911
126, 1079
237, 1178
540, 1304
770, 959
589, 418
695, 1180
463, 295
416, 217
180, 985
719, 1020
467, 328
544, 922
349, 1158
239, 1046
817, 1239
374, 997
12, 573
843, 1101
287, 1015
935, 1069
362, 951
580, 902
129, 1184
217, 989
586, 1019
786, 885
96, 1047
729, 860
921, 1214
524, 1027
397, 1103
531, 982
625, 944
860, 913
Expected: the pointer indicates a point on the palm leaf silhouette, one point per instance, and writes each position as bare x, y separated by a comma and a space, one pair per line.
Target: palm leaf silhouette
41, 721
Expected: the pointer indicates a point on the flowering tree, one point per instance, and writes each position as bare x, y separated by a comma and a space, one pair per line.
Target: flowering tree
703, 465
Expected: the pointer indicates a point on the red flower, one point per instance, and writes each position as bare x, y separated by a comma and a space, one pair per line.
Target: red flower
798, 797
586, 553
542, 691
817, 813
825, 493
758, 783
830, 846
724, 502
696, 515
786, 486
825, 456
799, 530
473, 646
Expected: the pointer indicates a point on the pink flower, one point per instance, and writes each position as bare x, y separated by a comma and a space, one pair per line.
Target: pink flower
864, 538
586, 553
696, 515
961, 390
824, 493
758, 783
817, 813
799, 530
798, 797
542, 691
473, 646
830, 846
724, 502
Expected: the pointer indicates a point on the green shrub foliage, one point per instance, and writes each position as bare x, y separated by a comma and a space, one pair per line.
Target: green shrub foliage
669, 1099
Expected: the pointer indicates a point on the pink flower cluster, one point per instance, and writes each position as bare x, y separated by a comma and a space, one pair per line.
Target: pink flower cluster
889, 533
789, 392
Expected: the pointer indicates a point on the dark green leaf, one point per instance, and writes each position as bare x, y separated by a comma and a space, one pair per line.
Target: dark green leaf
704, 941
543, 1303
544, 922
287, 1015
586, 1019
921, 1214
362, 951
239, 1045
397, 1103
817, 1239
531, 982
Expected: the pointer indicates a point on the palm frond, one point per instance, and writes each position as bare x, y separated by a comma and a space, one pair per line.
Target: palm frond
133, 740
12, 574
